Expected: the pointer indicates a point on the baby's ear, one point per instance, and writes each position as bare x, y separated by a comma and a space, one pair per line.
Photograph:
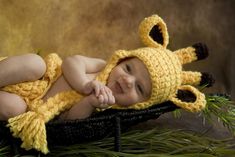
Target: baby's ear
153, 32
189, 98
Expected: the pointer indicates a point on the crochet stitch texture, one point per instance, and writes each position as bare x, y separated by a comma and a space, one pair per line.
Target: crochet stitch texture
164, 67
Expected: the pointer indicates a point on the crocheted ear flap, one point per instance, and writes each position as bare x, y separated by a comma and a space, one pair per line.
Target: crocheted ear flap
153, 32
189, 98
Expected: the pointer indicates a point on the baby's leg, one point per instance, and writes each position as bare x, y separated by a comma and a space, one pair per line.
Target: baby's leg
11, 105
22, 68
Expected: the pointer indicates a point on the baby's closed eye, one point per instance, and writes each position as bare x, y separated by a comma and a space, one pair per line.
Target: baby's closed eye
140, 89
128, 68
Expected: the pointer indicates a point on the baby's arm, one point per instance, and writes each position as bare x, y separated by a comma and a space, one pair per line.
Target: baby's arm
80, 110
76, 70
86, 106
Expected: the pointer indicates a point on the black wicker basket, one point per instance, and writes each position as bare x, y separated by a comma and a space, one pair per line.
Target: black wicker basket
108, 123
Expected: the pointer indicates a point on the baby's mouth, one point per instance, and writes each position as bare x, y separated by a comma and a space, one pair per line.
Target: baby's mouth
118, 87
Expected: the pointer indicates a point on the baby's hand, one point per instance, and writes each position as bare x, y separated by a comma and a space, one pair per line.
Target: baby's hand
104, 99
93, 86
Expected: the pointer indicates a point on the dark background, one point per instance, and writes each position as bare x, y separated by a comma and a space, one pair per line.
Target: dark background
98, 28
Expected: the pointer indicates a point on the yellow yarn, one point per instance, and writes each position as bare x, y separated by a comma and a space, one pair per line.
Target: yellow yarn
190, 77
185, 55
1, 58
164, 67
145, 27
198, 105
37, 89
30, 126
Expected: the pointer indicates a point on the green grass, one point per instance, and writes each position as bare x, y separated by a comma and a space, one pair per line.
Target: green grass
154, 142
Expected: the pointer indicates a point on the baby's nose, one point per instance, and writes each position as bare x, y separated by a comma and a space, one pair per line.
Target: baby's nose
129, 80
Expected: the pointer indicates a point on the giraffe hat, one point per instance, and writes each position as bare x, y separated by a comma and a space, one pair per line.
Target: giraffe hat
165, 67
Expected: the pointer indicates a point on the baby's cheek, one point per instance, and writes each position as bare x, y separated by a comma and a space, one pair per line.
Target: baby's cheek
134, 97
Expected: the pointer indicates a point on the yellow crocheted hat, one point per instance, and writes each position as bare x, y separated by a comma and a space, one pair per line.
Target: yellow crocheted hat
164, 67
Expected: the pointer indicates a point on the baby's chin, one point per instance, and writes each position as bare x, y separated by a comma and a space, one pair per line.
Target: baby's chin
118, 100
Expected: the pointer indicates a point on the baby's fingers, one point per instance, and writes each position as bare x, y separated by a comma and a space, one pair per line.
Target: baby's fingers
97, 89
101, 99
109, 98
104, 93
97, 86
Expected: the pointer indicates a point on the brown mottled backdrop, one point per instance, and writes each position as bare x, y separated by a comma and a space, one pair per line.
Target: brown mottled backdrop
96, 28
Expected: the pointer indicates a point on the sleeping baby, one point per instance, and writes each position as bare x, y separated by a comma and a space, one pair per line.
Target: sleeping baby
34, 89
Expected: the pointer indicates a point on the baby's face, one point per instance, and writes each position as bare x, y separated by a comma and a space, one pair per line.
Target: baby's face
130, 82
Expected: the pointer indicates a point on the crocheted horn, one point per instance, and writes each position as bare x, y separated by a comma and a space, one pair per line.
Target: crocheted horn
189, 54
192, 53
197, 78
153, 32
192, 93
